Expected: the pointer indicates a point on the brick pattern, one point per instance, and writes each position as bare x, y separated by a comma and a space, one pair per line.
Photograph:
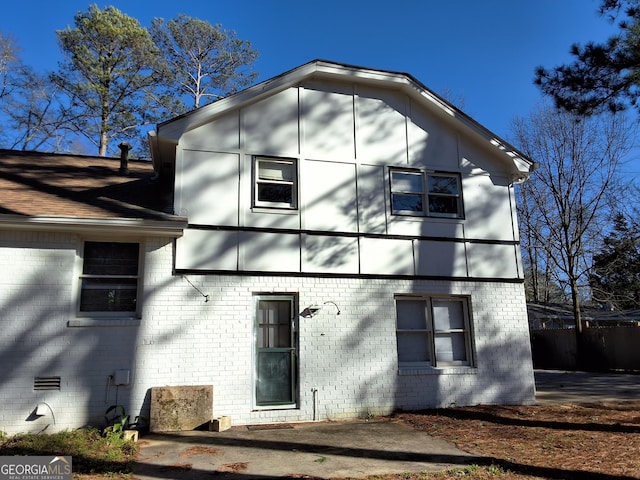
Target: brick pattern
347, 362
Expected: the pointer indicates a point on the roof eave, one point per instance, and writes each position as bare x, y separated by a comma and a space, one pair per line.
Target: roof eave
170, 228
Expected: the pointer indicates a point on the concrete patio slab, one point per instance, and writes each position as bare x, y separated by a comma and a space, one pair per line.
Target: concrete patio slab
311, 450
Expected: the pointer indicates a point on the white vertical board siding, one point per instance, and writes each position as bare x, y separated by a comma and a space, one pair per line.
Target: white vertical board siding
271, 125
441, 259
222, 134
330, 254
386, 256
350, 134
328, 124
373, 199
487, 208
269, 252
381, 123
487, 195
492, 261
207, 250
329, 196
209, 183
431, 144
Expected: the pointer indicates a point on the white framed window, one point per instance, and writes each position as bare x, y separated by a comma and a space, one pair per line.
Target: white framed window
275, 183
109, 280
414, 192
433, 331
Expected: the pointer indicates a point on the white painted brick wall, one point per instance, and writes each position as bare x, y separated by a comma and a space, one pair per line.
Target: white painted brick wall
348, 360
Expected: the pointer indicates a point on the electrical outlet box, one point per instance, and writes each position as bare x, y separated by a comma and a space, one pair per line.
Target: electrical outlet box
121, 377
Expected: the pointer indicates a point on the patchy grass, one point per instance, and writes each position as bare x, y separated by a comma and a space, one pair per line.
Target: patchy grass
93, 454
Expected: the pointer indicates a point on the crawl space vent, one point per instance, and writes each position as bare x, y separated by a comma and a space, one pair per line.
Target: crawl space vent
46, 383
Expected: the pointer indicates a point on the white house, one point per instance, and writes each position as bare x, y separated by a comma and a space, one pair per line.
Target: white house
334, 242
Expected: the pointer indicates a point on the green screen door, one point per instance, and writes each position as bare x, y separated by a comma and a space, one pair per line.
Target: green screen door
275, 350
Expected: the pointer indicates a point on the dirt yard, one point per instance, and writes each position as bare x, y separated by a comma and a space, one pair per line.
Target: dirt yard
592, 441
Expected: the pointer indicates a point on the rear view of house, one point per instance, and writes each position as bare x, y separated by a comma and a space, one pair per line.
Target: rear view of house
333, 242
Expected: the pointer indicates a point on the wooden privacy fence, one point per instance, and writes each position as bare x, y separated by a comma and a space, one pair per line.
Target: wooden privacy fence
599, 349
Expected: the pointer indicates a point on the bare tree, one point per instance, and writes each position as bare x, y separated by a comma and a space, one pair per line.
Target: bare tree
541, 285
579, 161
204, 62
29, 104
8, 60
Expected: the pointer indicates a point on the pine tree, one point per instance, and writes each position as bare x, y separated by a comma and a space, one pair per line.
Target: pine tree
110, 61
615, 279
603, 76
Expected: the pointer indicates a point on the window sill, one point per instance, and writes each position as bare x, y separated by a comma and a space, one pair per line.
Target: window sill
104, 322
453, 370
274, 210
262, 408
422, 217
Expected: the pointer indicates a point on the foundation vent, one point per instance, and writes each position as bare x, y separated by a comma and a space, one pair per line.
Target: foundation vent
46, 383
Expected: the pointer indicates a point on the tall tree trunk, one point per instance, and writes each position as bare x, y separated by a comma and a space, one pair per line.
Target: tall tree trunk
582, 360
102, 150
575, 303
104, 124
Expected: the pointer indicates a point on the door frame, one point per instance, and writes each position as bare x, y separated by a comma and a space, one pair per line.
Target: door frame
294, 325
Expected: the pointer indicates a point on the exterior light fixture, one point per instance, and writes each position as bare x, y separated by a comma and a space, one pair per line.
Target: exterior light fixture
335, 305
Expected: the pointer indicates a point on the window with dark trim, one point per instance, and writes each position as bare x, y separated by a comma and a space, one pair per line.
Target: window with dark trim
414, 192
275, 183
110, 277
433, 331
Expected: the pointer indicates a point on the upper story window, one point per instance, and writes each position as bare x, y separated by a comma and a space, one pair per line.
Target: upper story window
414, 192
110, 277
275, 183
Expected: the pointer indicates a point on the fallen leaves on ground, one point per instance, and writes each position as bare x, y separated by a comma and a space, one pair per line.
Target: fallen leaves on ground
588, 441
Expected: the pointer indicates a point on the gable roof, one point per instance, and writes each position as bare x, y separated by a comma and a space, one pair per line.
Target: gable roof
45, 189
164, 140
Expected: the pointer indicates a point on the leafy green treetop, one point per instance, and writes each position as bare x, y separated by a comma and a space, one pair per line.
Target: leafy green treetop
110, 61
615, 279
603, 76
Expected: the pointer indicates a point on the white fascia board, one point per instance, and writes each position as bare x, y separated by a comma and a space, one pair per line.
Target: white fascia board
111, 226
518, 160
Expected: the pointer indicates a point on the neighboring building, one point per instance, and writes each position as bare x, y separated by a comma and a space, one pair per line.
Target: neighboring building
340, 242
553, 316
608, 343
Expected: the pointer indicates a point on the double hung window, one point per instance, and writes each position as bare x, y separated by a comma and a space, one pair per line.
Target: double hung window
275, 183
433, 331
109, 279
414, 192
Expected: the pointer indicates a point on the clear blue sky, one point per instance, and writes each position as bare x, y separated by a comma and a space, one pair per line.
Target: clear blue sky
483, 51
